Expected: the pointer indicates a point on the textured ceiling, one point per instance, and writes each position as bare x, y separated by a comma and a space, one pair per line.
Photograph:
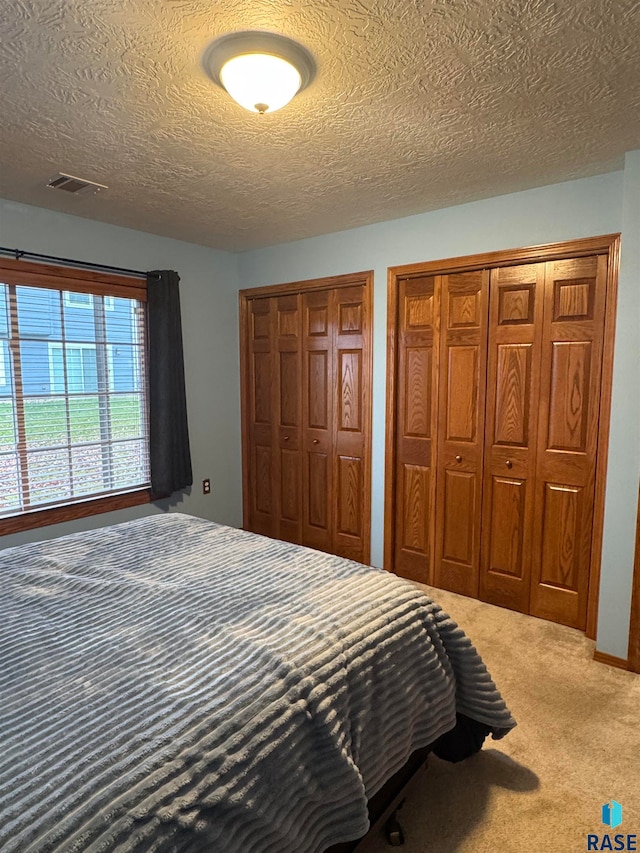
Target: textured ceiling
417, 105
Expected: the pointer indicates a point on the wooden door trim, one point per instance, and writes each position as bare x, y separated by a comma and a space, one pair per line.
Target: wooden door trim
509, 257
326, 283
611, 660
613, 264
634, 628
244, 406
390, 423
245, 295
608, 244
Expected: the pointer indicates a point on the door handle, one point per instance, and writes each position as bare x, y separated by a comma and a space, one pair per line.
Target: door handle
286, 438
509, 463
316, 441
458, 458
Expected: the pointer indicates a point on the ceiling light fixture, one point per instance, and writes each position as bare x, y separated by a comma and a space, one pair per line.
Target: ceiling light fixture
261, 71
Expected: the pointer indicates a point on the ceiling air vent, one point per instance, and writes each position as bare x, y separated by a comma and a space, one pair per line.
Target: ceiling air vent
72, 184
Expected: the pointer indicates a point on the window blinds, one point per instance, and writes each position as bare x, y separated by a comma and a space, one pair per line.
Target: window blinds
73, 399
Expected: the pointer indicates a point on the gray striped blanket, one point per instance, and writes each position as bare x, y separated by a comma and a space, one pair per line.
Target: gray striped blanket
170, 684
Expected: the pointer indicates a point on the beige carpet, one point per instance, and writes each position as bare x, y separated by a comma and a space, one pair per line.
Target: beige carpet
577, 746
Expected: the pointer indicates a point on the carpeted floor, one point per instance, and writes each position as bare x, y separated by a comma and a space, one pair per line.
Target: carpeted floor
577, 746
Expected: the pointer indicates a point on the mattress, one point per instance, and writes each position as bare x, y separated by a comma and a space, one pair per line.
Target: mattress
170, 684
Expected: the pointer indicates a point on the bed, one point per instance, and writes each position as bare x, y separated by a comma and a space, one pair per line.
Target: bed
170, 684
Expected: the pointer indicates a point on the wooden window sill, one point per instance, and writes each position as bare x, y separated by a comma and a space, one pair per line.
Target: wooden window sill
58, 515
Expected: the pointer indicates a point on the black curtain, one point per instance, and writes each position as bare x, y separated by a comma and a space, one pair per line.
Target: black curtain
168, 429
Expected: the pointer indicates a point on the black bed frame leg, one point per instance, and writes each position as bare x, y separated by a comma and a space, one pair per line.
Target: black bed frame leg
393, 830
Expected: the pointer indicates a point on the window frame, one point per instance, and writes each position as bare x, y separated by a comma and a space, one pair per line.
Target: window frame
27, 273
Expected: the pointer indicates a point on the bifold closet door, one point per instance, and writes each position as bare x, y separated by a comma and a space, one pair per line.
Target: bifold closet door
497, 406
336, 402
416, 426
461, 408
260, 367
317, 431
306, 391
543, 401
513, 395
275, 404
351, 468
287, 391
572, 345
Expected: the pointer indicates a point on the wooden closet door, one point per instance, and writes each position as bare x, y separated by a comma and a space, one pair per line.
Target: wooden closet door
573, 330
415, 481
306, 413
262, 469
351, 473
287, 391
513, 391
317, 419
461, 406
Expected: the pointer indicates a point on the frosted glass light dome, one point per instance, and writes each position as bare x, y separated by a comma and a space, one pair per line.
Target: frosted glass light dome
261, 71
260, 82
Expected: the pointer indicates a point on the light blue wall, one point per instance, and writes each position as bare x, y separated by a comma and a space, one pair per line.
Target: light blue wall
582, 208
623, 469
209, 296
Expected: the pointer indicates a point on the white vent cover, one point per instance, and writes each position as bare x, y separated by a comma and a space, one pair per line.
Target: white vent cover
72, 184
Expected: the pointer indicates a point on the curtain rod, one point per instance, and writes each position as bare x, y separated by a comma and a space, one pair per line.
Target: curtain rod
18, 254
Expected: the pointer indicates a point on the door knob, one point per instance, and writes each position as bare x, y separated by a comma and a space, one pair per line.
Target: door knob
316, 441
286, 438
458, 458
509, 463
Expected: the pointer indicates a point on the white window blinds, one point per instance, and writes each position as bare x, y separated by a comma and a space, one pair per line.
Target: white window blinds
73, 399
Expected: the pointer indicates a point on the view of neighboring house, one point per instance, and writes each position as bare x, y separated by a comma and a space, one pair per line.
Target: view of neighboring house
99, 355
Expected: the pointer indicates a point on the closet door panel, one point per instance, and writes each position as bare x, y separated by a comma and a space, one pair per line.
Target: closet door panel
507, 500
418, 321
350, 482
261, 366
318, 379
290, 494
262, 372
263, 483
316, 497
463, 349
459, 513
562, 516
512, 394
350, 320
415, 497
288, 408
289, 363
350, 390
569, 404
514, 352
573, 331
317, 419
462, 393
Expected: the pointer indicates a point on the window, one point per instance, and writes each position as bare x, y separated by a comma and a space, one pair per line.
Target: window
85, 300
72, 367
73, 396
